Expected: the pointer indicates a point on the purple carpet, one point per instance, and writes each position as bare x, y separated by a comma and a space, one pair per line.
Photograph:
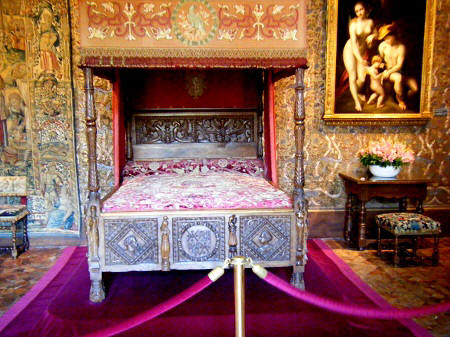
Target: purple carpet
58, 305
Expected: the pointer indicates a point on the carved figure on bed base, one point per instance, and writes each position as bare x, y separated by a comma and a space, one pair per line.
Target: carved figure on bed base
97, 291
232, 239
165, 245
301, 224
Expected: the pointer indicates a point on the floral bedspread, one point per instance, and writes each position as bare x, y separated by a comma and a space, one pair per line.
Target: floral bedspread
253, 167
212, 190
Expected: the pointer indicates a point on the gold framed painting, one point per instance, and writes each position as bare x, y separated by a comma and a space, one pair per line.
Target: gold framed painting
379, 62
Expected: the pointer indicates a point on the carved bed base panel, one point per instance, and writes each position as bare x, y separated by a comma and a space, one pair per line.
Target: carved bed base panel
196, 240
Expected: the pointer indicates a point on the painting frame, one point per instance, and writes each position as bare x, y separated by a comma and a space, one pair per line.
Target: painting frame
419, 117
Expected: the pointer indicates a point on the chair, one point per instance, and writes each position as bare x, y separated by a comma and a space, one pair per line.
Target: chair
13, 218
413, 225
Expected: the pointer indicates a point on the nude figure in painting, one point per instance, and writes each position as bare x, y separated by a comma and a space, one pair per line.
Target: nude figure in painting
362, 33
376, 81
393, 52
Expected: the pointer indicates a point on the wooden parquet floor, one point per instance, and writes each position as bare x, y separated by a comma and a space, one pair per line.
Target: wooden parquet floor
409, 286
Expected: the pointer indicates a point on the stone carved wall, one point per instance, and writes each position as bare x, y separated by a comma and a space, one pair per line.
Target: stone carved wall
330, 149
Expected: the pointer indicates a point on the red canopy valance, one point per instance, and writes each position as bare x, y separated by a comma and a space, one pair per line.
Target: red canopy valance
193, 33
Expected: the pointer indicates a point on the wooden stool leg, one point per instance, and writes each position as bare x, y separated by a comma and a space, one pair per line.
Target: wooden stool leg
414, 247
396, 258
26, 241
14, 244
435, 257
379, 242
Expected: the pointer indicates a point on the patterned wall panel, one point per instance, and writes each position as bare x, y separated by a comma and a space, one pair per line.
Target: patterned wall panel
330, 149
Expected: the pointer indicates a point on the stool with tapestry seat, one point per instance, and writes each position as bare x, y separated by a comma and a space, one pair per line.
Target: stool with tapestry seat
13, 217
412, 225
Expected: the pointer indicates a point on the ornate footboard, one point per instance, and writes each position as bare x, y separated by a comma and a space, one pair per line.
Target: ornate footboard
194, 240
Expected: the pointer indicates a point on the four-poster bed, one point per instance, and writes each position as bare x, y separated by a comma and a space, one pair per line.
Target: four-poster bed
194, 184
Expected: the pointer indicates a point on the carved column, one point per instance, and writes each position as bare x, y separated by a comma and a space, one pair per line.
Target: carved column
300, 203
97, 293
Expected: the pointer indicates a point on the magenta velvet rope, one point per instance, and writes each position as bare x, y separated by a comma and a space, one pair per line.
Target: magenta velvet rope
155, 311
354, 310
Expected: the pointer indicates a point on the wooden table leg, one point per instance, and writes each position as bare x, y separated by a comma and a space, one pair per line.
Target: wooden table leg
362, 226
419, 208
402, 204
347, 218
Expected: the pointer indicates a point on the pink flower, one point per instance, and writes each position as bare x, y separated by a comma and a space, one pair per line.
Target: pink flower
384, 152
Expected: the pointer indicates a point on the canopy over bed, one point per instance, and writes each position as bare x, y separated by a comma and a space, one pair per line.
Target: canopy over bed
194, 34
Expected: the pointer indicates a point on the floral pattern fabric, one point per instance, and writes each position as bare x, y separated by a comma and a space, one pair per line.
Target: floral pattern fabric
253, 167
213, 190
408, 223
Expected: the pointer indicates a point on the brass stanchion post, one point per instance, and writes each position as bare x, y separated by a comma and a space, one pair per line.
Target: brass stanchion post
238, 263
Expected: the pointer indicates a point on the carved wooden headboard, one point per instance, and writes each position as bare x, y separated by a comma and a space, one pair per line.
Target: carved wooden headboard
195, 133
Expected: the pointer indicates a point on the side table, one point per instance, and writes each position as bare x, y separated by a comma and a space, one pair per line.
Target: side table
13, 223
360, 188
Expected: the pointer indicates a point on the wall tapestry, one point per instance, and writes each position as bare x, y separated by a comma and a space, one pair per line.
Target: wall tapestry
36, 111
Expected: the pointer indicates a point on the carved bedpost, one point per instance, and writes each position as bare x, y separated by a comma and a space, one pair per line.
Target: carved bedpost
165, 245
97, 292
300, 203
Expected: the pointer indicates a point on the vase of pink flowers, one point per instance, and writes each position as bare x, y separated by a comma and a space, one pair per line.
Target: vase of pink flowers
384, 159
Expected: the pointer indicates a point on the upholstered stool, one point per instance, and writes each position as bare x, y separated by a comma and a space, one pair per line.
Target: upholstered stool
13, 218
412, 225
